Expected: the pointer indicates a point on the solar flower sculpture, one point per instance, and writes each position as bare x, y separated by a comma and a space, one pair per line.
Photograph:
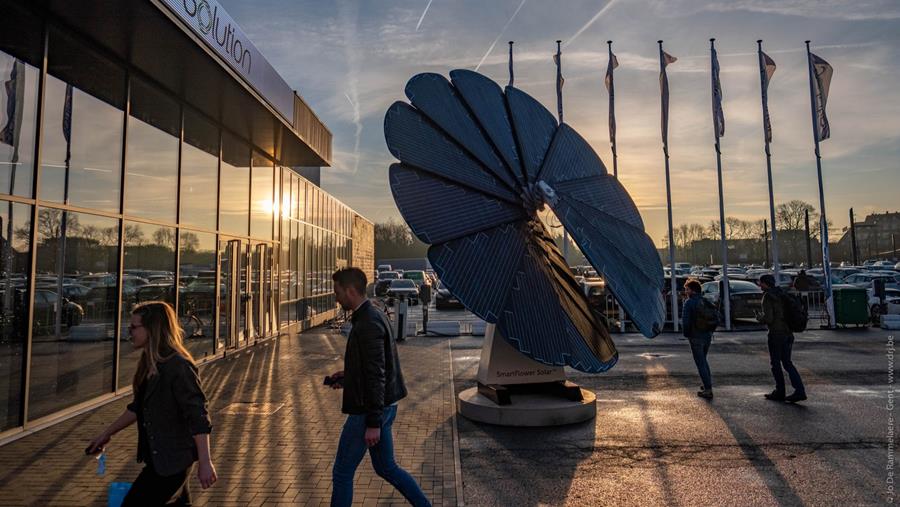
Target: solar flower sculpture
477, 164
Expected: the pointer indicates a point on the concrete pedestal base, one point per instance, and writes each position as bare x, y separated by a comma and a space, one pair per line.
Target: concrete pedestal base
527, 409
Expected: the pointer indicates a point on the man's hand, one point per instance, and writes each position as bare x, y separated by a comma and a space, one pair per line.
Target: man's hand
336, 377
373, 436
206, 474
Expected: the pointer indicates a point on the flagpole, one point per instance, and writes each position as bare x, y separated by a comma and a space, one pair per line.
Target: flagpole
764, 93
559, 110
672, 277
612, 112
726, 292
823, 222
511, 75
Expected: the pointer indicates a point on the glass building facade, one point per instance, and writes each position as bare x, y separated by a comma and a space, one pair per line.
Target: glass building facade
117, 189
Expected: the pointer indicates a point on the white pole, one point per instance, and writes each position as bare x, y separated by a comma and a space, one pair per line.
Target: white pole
823, 222
726, 287
764, 94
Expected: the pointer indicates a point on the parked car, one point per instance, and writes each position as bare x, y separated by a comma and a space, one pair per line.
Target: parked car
403, 287
416, 276
745, 297
864, 279
892, 304
445, 300
384, 281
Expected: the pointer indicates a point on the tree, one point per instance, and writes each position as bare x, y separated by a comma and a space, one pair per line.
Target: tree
164, 237
190, 243
790, 216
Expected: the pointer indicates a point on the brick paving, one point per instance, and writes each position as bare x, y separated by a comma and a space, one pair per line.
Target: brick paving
261, 457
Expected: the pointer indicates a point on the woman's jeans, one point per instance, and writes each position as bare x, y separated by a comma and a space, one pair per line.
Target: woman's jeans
352, 448
699, 349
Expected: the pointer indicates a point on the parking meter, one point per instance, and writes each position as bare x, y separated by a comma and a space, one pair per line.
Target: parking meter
402, 308
425, 300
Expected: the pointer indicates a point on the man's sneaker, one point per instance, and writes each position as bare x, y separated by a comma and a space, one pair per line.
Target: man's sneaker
705, 393
794, 398
776, 396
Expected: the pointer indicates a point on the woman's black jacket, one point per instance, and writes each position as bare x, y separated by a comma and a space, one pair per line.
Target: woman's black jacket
171, 409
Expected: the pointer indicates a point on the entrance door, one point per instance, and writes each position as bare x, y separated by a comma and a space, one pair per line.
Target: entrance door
235, 298
261, 295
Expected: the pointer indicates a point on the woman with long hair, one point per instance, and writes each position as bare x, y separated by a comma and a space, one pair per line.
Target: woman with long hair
170, 409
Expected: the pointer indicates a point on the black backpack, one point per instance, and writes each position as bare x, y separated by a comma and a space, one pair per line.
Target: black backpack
706, 318
795, 312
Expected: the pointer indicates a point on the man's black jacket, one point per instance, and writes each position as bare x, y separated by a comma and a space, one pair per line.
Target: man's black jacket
372, 377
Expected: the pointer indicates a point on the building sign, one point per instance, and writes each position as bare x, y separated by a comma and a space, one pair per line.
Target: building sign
210, 22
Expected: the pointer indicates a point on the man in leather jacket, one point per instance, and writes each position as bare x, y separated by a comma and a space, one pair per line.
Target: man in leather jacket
373, 384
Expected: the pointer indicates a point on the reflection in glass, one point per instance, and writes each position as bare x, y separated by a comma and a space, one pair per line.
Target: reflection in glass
197, 293
18, 104
261, 212
234, 202
234, 297
15, 233
72, 345
199, 172
151, 170
82, 148
149, 276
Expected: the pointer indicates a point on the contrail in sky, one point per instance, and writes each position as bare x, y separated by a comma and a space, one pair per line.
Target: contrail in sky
423, 15
589, 23
500, 34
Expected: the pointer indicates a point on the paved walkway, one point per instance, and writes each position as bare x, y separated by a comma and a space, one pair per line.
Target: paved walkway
653, 441
275, 433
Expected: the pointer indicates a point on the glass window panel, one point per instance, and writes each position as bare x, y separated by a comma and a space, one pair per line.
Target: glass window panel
296, 194
285, 192
234, 205
151, 162
72, 346
14, 265
18, 111
149, 276
197, 291
199, 172
82, 127
262, 203
293, 259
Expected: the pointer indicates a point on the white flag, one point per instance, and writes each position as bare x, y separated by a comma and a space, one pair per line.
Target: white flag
766, 70
718, 114
665, 59
822, 82
610, 87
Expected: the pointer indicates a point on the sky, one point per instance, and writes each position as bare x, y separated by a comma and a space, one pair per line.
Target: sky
350, 61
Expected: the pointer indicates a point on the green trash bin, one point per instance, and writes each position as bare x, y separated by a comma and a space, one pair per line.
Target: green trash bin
851, 306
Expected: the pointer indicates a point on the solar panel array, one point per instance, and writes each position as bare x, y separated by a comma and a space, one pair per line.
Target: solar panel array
477, 163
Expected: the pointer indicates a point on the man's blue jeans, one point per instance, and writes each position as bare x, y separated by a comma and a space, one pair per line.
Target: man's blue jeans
352, 448
780, 355
699, 349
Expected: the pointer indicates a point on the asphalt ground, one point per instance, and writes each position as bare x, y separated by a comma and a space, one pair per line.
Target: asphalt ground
654, 442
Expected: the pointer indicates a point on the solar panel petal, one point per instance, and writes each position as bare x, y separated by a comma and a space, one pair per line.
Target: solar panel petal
416, 141
434, 96
438, 210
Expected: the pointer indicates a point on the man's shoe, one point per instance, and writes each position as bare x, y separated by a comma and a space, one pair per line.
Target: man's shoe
794, 398
705, 393
775, 396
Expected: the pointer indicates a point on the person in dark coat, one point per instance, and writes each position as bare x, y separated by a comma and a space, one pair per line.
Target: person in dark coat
781, 342
700, 340
170, 410
373, 384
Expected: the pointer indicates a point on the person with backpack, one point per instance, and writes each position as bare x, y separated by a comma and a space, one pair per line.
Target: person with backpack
782, 315
699, 319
